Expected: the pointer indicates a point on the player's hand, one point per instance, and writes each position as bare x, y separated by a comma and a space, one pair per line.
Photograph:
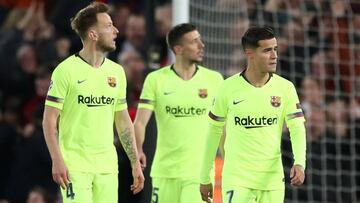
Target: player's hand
206, 192
60, 173
142, 159
139, 179
297, 175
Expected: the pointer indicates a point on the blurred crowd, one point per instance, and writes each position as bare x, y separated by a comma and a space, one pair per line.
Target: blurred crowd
319, 50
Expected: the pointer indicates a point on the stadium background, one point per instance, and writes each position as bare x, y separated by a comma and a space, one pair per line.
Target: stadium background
319, 50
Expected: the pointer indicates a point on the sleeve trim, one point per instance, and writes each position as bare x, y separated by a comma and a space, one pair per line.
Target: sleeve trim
295, 115
216, 118
54, 99
146, 101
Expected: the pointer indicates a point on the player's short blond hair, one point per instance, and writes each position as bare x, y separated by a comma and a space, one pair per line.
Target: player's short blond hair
86, 18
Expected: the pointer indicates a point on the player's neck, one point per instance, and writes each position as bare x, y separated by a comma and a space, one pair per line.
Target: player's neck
92, 57
256, 78
185, 70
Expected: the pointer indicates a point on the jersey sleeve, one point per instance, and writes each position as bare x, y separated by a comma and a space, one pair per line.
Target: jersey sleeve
218, 80
121, 100
58, 88
293, 111
147, 97
218, 111
295, 122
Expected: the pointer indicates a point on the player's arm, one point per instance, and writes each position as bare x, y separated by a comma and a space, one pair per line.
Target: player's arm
220, 80
298, 143
295, 122
141, 120
212, 143
145, 108
222, 143
126, 134
60, 172
217, 118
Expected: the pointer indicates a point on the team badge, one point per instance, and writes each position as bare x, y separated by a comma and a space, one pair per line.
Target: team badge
203, 93
111, 81
275, 101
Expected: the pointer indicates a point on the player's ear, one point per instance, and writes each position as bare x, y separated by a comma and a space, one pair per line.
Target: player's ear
249, 52
93, 35
177, 49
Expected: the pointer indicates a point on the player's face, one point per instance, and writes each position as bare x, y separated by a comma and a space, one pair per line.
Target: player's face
107, 33
265, 56
192, 47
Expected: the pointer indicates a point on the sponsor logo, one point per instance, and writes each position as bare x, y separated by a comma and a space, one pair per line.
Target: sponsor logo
275, 101
81, 81
237, 101
93, 101
259, 122
111, 81
179, 111
203, 93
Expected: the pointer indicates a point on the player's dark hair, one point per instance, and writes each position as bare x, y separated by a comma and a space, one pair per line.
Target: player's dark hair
253, 35
176, 33
86, 18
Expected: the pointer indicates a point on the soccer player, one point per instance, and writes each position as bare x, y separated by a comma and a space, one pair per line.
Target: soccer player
87, 94
254, 106
180, 95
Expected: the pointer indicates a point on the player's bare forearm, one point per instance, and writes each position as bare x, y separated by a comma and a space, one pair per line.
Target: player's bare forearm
141, 121
127, 140
59, 170
126, 133
51, 115
139, 135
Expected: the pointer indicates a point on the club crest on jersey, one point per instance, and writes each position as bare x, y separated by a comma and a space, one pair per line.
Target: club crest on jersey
203, 93
275, 101
111, 81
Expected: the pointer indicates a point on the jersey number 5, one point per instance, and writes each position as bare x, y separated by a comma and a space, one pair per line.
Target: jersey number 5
155, 196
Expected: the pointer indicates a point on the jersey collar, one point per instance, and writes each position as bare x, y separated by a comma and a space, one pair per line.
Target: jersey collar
196, 70
78, 55
242, 74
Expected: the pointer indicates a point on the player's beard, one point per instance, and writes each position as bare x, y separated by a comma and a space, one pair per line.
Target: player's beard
104, 47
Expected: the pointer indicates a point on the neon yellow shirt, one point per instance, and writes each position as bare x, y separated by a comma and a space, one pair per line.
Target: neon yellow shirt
87, 98
254, 120
181, 108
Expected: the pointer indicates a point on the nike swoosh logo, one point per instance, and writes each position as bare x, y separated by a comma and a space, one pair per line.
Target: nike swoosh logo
237, 101
167, 93
81, 81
